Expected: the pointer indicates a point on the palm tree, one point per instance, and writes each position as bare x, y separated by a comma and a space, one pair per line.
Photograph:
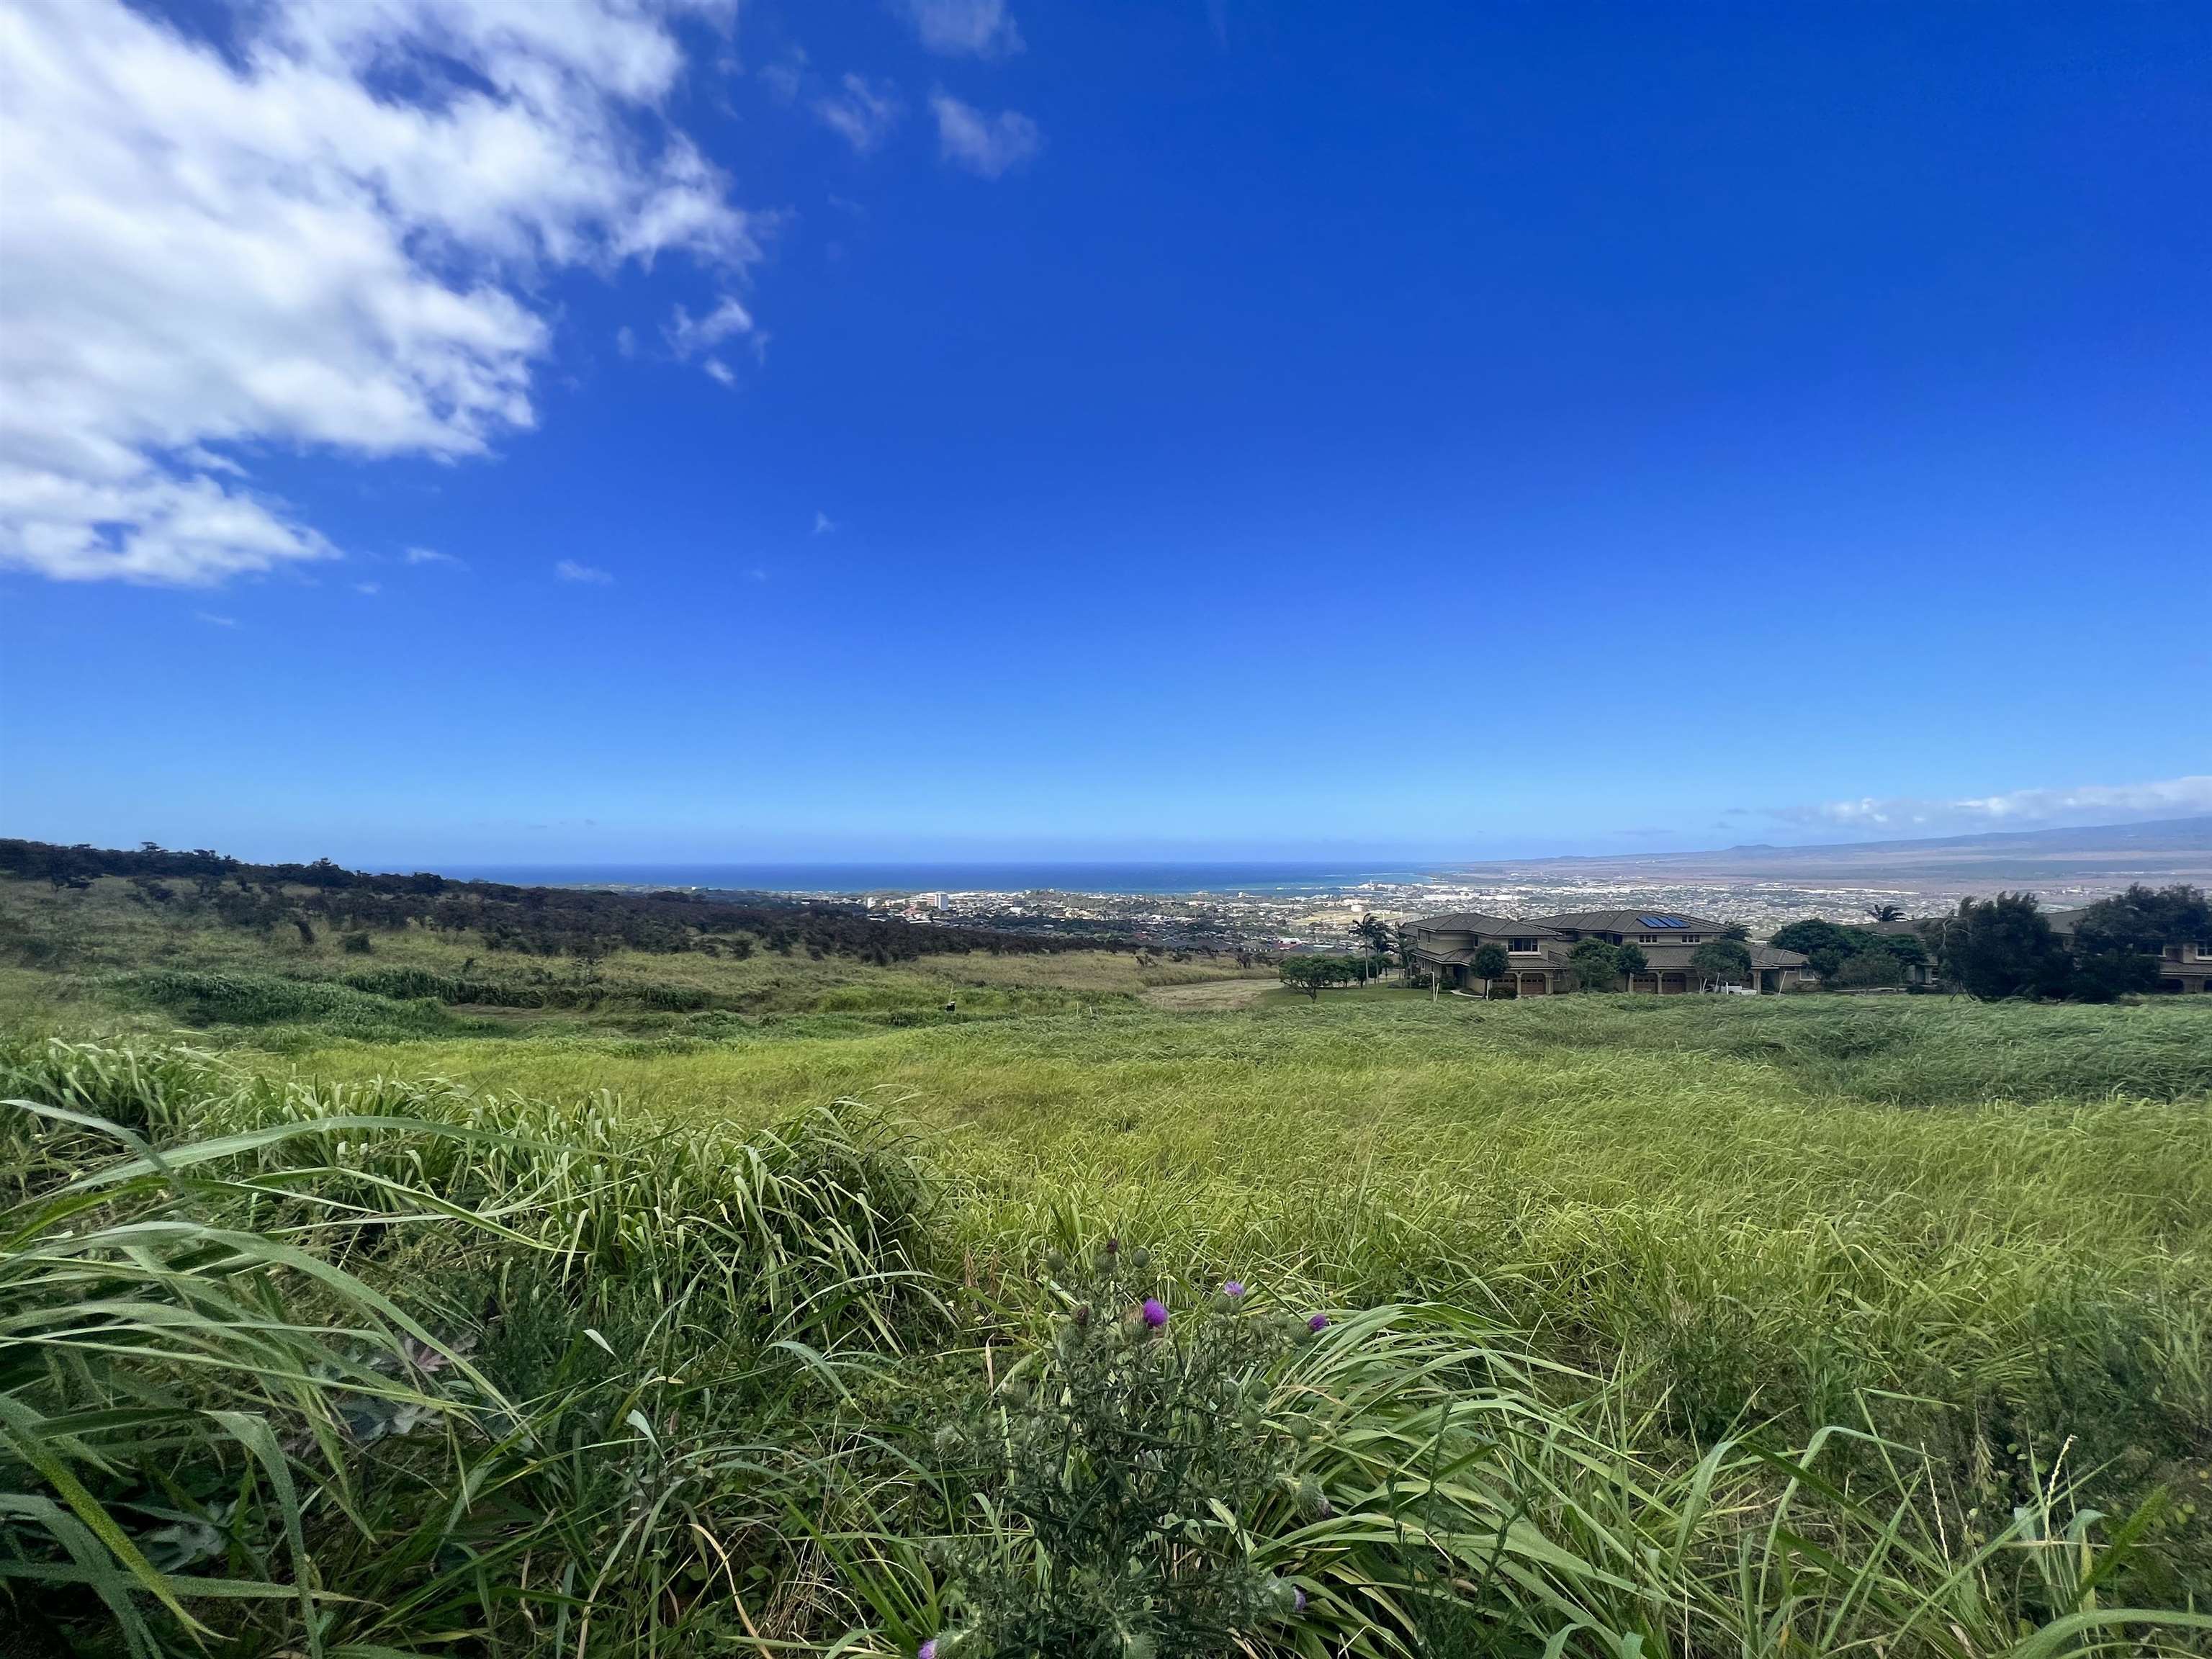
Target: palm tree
1885, 912
1375, 933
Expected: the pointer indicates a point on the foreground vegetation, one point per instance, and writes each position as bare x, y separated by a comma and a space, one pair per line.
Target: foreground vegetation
338, 1321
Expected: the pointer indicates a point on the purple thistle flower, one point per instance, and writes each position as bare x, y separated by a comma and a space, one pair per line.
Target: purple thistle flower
1233, 1288
1297, 1604
927, 1650
1156, 1314
1318, 1322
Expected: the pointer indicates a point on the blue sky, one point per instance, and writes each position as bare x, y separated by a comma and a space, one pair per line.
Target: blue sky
948, 428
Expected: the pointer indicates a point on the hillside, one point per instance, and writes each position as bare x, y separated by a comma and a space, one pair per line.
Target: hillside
741, 1251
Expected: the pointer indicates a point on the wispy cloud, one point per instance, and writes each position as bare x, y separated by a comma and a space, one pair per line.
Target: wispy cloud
861, 113
718, 372
569, 571
988, 145
784, 77
2017, 809
823, 524
371, 589
687, 334
964, 28
431, 555
214, 621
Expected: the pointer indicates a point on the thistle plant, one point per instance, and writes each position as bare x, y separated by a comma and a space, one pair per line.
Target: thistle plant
1114, 1469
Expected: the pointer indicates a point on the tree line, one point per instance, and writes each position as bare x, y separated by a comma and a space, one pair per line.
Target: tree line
548, 921
2005, 946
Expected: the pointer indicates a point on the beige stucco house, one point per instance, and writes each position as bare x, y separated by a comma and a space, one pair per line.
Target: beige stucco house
1536, 950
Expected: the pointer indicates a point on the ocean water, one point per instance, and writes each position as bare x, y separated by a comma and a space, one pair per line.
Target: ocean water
955, 877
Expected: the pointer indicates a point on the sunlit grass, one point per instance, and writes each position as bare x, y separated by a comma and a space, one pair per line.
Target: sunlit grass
1962, 1250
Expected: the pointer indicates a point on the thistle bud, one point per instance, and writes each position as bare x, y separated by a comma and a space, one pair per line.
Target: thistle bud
1139, 1260
946, 1440
1313, 1503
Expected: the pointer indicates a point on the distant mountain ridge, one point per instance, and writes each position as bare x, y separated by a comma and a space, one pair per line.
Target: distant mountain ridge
2167, 849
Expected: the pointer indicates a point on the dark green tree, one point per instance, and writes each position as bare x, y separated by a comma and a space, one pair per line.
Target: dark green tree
1631, 960
1594, 965
1907, 950
1491, 962
1722, 961
2005, 947
1884, 913
1821, 943
2118, 941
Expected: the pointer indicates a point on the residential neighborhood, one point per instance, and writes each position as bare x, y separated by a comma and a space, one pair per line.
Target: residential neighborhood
1537, 951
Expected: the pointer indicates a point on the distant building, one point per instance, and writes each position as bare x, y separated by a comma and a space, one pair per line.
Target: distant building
1536, 950
2184, 964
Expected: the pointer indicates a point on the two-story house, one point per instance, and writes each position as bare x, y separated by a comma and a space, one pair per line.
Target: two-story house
1536, 950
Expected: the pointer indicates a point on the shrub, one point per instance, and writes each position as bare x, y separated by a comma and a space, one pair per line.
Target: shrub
1119, 1469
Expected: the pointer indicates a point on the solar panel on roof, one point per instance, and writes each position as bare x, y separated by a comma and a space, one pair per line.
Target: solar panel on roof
1662, 921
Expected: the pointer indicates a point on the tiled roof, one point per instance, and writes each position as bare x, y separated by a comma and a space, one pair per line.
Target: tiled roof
1483, 927
1630, 921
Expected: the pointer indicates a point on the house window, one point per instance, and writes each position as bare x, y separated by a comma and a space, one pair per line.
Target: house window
2174, 953
1521, 947
1693, 939
1647, 938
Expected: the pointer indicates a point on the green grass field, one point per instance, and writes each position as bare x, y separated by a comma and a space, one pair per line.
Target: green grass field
1797, 1324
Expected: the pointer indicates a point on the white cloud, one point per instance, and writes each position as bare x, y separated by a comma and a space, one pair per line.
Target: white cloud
2017, 809
986, 144
569, 571
858, 113
626, 341
370, 588
718, 372
214, 621
823, 524
964, 28
2164, 797
431, 555
686, 334
209, 254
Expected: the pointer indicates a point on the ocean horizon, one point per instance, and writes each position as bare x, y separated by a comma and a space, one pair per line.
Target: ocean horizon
1065, 876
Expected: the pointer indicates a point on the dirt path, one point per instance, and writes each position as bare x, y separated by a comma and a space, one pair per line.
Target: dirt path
1211, 994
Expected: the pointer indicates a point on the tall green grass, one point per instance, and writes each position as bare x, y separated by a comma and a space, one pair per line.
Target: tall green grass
375, 1366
